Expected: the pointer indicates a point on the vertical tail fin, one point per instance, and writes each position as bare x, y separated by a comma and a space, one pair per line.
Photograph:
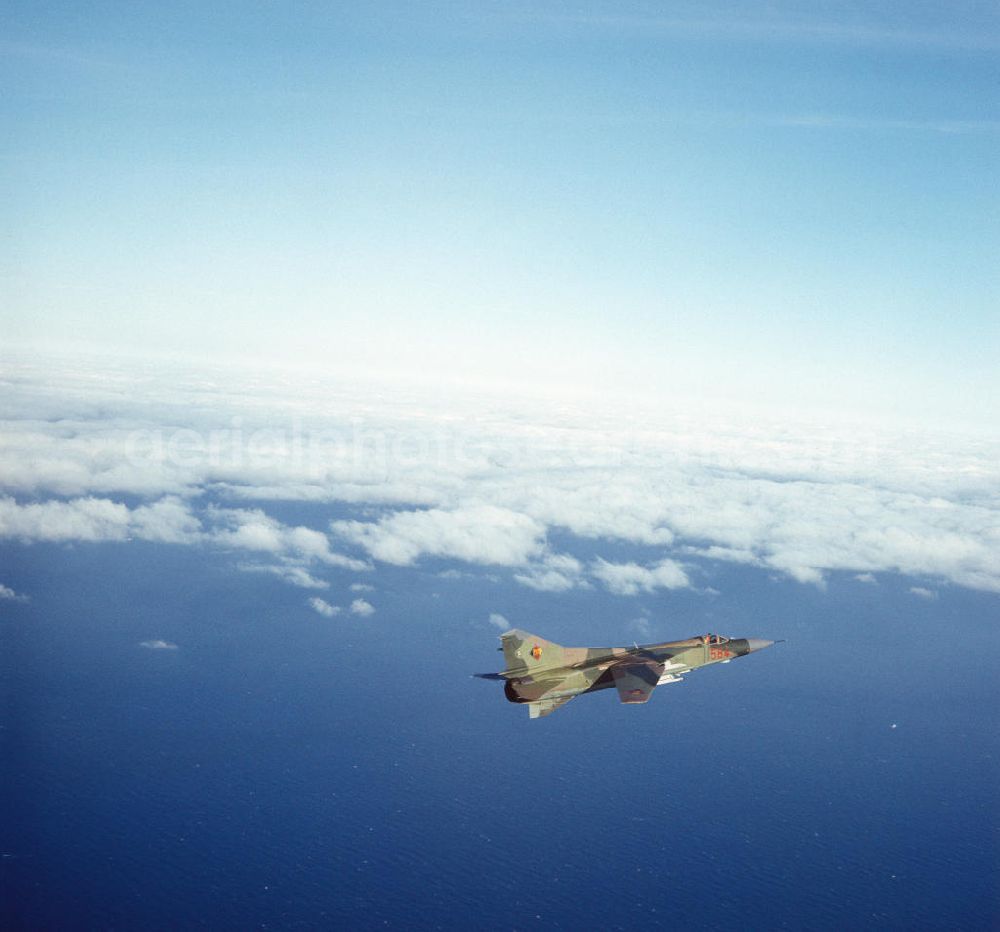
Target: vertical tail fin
526, 653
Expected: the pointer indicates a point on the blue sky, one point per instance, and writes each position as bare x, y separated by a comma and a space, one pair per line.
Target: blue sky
773, 201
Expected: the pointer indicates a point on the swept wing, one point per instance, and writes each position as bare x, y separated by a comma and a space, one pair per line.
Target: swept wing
544, 707
636, 680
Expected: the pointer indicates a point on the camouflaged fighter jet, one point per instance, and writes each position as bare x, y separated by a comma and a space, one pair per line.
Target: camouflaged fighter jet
546, 675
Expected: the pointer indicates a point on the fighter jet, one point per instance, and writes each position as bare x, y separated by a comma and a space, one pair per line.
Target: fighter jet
546, 675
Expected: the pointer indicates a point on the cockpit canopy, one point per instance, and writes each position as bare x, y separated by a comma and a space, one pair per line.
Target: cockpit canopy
716, 639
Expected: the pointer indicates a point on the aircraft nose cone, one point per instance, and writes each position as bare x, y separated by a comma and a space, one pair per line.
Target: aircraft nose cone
758, 644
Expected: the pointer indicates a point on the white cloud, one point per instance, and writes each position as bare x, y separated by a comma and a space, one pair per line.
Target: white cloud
168, 521
293, 575
362, 608
631, 578
921, 593
729, 554
85, 519
641, 626
497, 619
158, 645
545, 580
790, 563
866, 578
474, 534
252, 529
324, 608
555, 572
360, 587
98, 519
9, 595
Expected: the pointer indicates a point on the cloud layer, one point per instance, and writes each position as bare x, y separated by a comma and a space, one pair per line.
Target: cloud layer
197, 458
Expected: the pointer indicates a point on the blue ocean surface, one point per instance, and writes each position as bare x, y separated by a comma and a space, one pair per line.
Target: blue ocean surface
279, 769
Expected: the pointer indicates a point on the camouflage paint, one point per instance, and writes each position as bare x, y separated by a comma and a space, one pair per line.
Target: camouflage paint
545, 675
